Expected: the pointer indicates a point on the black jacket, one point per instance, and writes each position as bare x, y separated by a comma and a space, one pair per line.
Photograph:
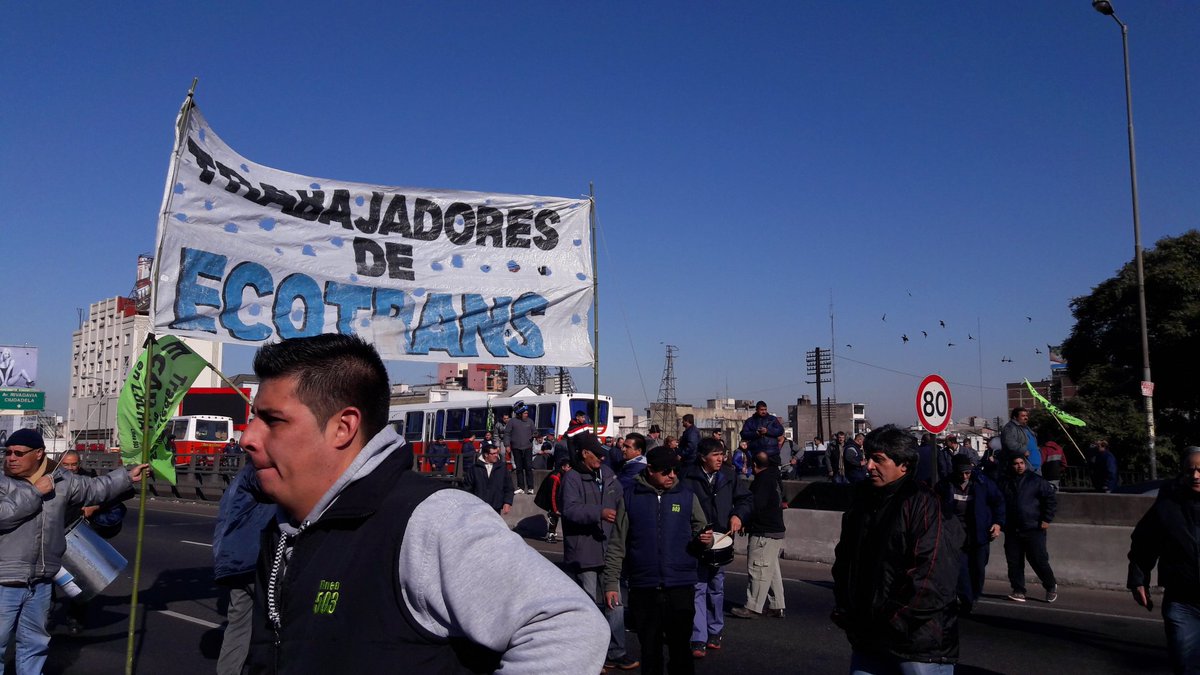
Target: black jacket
722, 499
1030, 501
895, 573
766, 515
1169, 536
496, 490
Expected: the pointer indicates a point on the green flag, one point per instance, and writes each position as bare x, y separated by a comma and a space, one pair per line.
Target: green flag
155, 386
1066, 418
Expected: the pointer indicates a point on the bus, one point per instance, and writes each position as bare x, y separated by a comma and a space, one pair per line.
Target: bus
199, 437
454, 419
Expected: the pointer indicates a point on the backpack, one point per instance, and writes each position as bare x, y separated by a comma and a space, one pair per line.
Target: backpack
542, 498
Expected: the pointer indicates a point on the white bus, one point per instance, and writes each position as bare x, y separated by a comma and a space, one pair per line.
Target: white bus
455, 419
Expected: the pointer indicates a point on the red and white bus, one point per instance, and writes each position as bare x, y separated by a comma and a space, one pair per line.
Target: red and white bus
459, 416
199, 439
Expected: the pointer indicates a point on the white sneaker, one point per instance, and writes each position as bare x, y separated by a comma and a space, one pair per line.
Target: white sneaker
518, 491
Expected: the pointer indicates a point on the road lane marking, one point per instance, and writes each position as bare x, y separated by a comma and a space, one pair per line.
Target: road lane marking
1013, 605
191, 619
194, 543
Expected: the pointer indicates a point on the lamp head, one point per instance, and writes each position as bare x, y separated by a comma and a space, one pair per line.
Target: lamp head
1103, 6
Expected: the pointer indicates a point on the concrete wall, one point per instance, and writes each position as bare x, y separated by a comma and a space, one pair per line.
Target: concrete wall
1081, 554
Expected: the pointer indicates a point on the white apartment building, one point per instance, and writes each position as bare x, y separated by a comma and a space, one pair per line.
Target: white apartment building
102, 352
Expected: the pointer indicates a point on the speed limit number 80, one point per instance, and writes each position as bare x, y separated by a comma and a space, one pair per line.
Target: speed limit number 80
934, 404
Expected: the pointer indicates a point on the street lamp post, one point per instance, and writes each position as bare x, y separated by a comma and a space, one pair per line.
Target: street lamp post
1105, 7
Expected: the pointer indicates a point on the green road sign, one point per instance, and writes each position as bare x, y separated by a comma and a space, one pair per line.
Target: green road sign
22, 399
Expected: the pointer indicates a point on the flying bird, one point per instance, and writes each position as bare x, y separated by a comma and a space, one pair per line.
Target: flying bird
949, 344
909, 293
905, 338
924, 334
1036, 350
970, 337
849, 346
1029, 319
884, 317
1005, 359
942, 322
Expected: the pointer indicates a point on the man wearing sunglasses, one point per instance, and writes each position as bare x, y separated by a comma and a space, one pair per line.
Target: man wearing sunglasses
659, 529
31, 553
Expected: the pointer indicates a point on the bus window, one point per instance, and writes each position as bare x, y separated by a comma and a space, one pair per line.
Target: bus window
439, 426
546, 418
211, 430
585, 404
456, 419
179, 429
477, 421
501, 410
413, 424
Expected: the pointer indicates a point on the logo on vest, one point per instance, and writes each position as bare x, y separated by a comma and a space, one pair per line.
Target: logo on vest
327, 597
674, 508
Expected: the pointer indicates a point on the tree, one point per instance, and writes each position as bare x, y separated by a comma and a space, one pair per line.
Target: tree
1104, 353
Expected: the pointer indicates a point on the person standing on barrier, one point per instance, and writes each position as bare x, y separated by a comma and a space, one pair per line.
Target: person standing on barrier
896, 567
519, 434
242, 515
370, 566
726, 503
1166, 537
32, 548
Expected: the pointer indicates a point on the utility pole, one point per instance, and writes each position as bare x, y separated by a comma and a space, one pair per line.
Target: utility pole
666, 395
819, 364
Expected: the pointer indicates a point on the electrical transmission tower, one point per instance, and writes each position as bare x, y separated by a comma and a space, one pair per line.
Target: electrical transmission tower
563, 381
540, 373
663, 413
520, 375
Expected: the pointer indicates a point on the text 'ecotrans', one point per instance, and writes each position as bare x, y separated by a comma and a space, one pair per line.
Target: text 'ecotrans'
250, 254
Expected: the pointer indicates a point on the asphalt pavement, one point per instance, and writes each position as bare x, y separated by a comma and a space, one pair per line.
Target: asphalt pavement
179, 622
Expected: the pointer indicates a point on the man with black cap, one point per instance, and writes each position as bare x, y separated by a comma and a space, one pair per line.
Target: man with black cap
654, 437
518, 434
591, 495
977, 503
658, 529
32, 548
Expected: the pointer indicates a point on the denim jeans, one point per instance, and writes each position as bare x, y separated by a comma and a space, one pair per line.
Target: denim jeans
869, 664
1182, 621
26, 608
592, 582
709, 620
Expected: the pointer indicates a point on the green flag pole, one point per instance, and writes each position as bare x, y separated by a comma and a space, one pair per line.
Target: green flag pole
141, 527
1069, 438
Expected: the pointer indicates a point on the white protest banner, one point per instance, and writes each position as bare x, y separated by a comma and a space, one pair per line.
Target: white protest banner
249, 254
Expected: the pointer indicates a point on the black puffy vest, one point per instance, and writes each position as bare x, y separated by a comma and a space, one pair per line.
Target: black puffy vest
341, 609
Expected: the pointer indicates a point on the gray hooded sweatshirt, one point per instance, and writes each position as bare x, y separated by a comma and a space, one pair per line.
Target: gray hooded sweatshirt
464, 573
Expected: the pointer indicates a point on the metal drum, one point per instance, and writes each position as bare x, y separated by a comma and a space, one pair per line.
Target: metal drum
721, 552
89, 565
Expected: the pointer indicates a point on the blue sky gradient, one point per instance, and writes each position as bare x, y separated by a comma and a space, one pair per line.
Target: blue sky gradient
936, 161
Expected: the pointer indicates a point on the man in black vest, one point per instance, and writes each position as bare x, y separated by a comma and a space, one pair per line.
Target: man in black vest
369, 564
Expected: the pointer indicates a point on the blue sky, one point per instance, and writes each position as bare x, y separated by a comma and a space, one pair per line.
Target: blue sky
940, 161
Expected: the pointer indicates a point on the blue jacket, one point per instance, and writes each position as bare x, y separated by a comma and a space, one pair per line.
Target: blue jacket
630, 470
1104, 471
769, 442
242, 516
689, 443
653, 538
724, 498
585, 533
985, 509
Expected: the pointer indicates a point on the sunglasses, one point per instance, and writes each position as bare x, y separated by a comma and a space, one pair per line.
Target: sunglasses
19, 453
664, 472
